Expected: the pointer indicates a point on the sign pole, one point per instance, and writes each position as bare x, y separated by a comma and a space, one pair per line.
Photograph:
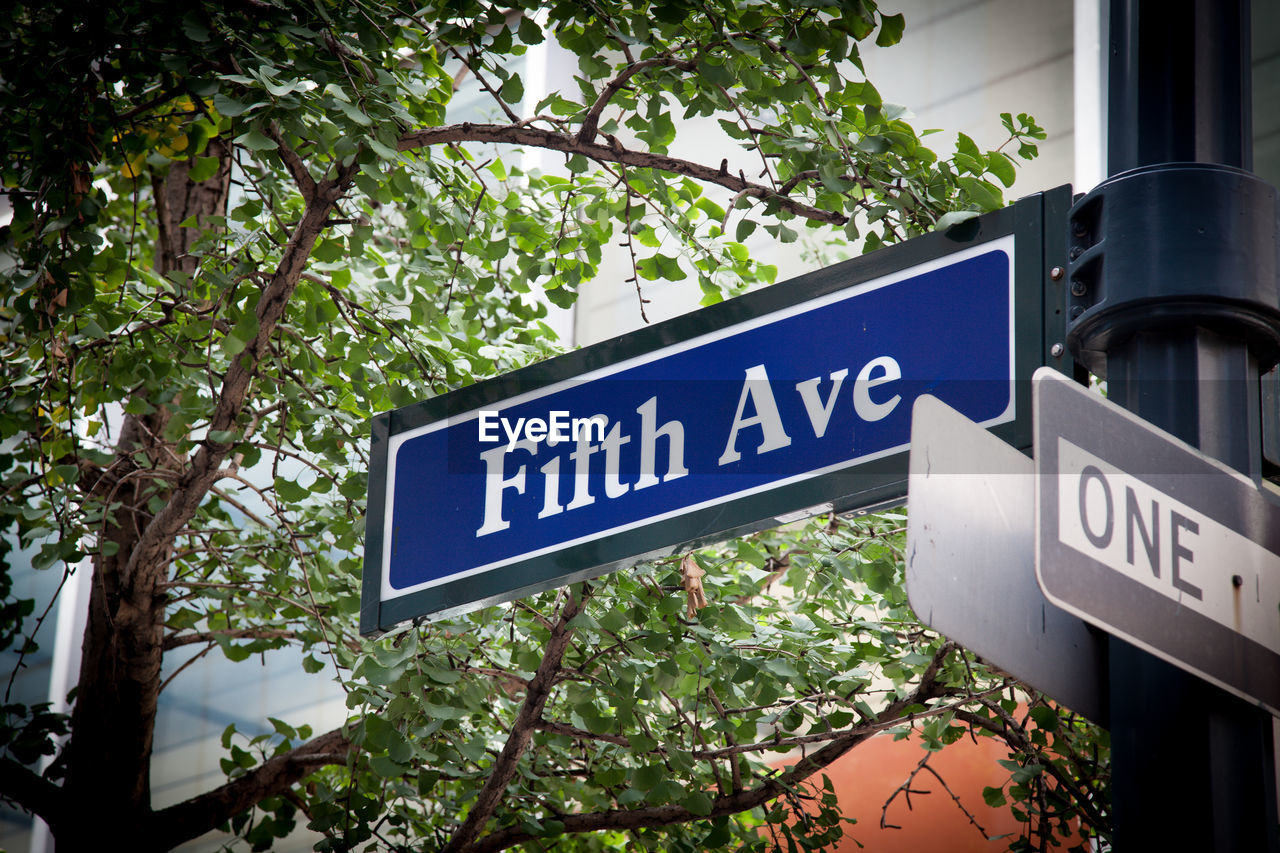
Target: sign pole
1173, 300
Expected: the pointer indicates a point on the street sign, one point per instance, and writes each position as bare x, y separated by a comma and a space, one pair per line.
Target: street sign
971, 560
782, 403
1148, 538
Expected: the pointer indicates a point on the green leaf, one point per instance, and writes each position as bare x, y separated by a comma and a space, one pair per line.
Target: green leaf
255, 140
1045, 717
560, 106
378, 732
235, 652
660, 266
698, 802
194, 27
332, 250
648, 777
955, 217
513, 90
1002, 167
551, 828
203, 169
891, 27
874, 144
747, 552
386, 767
282, 728
290, 490
783, 233
715, 72
993, 797
719, 836
781, 667
352, 112
229, 106
1025, 774
610, 777
598, 724
982, 193
529, 32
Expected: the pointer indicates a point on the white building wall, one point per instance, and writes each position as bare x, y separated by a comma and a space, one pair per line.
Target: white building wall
963, 62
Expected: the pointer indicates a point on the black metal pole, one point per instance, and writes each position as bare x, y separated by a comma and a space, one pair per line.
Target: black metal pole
1174, 292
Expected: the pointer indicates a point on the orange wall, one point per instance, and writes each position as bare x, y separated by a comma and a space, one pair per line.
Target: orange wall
868, 775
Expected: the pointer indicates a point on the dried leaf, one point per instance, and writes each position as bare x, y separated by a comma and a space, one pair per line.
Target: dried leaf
691, 575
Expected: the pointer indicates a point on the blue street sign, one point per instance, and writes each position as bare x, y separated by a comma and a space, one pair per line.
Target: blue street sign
785, 402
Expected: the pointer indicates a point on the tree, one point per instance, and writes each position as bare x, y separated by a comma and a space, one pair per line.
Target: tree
238, 230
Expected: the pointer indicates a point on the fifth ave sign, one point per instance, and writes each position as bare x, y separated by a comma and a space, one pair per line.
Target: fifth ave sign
739, 426
777, 405
1146, 537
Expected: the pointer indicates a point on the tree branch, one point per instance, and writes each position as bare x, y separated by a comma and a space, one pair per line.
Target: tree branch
484, 83
740, 801
1012, 733
173, 641
569, 144
196, 816
147, 555
906, 790
30, 791
813, 175
576, 733
530, 713
587, 132
297, 169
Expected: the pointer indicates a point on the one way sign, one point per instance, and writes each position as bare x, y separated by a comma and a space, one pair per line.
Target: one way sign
1148, 538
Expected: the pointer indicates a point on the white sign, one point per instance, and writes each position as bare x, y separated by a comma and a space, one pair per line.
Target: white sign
1146, 537
1167, 546
971, 560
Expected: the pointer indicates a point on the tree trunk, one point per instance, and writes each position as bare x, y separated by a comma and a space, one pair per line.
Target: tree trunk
113, 722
